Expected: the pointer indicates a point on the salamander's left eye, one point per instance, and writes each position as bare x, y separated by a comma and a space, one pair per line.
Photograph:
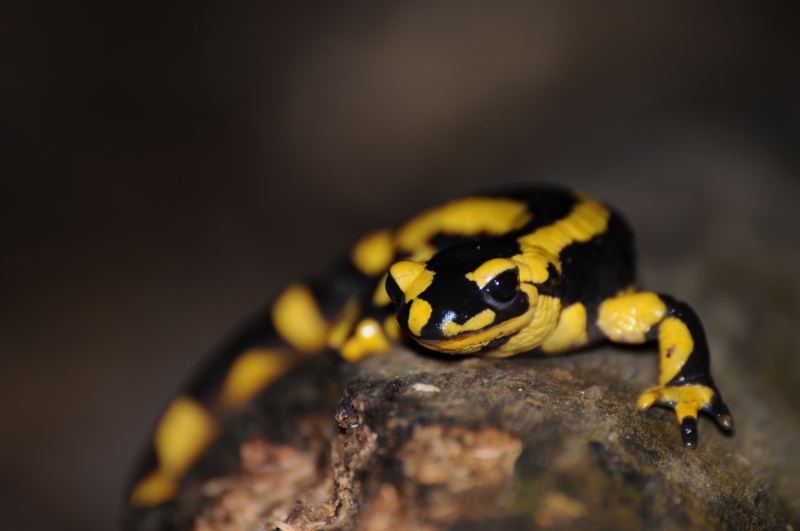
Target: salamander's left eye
504, 286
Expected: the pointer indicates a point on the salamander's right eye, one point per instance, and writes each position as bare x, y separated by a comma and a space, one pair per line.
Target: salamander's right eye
504, 286
394, 291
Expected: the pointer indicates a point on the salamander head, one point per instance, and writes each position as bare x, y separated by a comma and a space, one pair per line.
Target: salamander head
467, 298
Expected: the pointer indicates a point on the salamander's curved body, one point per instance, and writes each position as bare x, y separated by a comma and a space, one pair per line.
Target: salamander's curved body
536, 269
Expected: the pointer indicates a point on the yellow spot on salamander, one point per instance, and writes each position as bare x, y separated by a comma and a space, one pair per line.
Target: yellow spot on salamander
184, 432
467, 217
675, 345
339, 332
380, 298
298, 319
628, 318
476, 322
182, 435
374, 252
490, 269
540, 327
392, 329
587, 219
252, 371
687, 400
369, 338
418, 315
570, 331
412, 277
536, 261
156, 487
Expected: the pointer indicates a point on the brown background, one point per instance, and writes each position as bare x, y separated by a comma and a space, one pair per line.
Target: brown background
166, 168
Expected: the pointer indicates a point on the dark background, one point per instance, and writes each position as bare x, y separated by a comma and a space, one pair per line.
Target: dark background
166, 168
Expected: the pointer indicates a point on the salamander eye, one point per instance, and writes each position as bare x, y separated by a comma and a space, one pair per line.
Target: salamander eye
504, 286
394, 291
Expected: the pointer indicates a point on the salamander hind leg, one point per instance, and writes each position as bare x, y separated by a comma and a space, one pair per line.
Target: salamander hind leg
684, 379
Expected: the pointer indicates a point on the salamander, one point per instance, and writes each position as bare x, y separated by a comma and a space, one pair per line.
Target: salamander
537, 269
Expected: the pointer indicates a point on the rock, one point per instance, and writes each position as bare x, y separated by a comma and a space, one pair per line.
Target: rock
468, 443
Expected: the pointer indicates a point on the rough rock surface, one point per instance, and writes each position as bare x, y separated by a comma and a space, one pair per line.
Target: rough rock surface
435, 443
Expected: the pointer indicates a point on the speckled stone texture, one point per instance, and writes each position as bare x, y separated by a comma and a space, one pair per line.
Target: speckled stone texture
561, 447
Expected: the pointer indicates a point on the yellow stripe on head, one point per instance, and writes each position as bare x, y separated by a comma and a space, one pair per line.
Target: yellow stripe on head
252, 371
298, 319
490, 269
475, 323
418, 315
412, 278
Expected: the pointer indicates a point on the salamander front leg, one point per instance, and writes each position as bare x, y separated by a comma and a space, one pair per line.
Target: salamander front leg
684, 379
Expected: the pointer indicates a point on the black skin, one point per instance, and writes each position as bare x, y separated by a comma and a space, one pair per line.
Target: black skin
697, 370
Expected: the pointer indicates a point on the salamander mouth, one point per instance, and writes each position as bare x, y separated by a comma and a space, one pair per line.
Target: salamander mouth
469, 342
473, 342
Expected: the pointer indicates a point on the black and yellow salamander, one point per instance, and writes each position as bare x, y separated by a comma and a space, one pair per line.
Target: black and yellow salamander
539, 269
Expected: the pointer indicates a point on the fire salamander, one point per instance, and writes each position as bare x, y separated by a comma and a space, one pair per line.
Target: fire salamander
540, 269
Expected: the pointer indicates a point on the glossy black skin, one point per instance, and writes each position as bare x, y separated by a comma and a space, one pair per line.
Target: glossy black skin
592, 271
450, 267
697, 370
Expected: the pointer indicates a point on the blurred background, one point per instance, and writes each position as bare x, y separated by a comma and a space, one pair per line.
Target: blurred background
165, 169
